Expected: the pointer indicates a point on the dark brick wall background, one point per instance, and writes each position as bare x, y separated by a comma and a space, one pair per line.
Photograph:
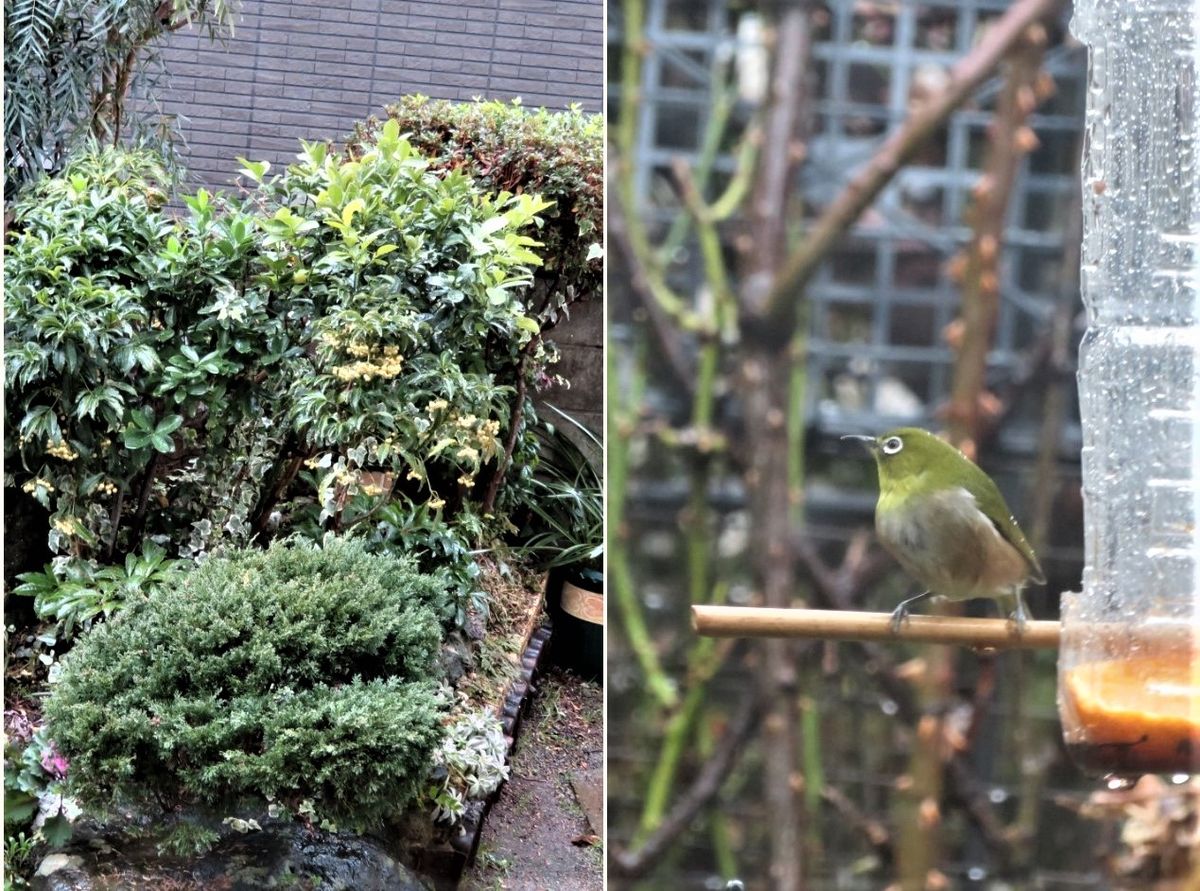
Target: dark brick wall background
308, 69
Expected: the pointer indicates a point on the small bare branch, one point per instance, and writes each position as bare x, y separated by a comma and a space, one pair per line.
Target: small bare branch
966, 76
704, 788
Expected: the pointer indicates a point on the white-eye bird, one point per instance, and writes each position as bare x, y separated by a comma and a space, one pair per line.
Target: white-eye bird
947, 524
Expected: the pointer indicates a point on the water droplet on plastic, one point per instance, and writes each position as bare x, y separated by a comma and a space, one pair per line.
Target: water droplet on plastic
1179, 778
888, 707
1119, 784
976, 873
997, 796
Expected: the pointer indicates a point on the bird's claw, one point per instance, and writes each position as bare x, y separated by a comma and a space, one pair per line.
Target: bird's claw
900, 613
1018, 616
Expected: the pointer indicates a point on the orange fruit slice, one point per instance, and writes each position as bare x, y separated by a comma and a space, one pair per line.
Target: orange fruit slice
1137, 715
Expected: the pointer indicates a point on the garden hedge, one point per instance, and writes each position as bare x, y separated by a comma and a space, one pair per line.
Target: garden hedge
505, 147
303, 676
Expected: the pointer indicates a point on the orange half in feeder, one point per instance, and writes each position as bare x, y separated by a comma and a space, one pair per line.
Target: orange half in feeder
1135, 715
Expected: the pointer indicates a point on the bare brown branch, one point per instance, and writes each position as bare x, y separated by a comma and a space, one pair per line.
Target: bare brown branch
875, 832
784, 129
666, 334
703, 789
514, 428
1010, 141
765, 385
965, 77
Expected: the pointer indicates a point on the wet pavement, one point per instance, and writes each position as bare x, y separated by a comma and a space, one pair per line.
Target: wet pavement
543, 832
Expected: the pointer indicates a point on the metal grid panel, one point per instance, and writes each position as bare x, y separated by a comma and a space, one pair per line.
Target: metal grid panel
879, 304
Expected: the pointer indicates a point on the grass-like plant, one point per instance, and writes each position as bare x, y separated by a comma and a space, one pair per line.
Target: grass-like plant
567, 503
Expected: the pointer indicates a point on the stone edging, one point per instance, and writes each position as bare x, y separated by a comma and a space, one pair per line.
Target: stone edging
466, 844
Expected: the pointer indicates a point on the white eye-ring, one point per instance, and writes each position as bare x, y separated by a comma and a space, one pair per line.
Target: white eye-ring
891, 445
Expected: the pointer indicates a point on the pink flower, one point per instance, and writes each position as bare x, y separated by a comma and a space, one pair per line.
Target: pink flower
53, 762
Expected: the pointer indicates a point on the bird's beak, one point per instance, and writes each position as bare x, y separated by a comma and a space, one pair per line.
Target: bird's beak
868, 441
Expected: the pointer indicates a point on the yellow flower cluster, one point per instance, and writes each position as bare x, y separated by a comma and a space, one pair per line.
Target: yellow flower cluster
60, 449
466, 481
312, 463
66, 525
436, 503
472, 439
386, 369
486, 434
362, 350
38, 483
415, 475
371, 490
483, 436
107, 488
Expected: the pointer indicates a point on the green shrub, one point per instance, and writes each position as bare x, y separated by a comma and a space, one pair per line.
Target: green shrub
168, 379
418, 286
439, 548
304, 676
74, 593
139, 363
507, 148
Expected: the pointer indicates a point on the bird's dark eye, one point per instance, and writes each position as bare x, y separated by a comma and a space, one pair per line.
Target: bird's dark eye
892, 444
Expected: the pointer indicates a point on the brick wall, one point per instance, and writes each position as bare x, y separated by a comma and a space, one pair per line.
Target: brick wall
308, 69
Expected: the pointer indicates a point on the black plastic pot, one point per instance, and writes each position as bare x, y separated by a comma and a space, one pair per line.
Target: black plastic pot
575, 601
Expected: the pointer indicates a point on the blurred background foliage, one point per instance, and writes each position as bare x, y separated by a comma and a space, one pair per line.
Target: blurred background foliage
828, 219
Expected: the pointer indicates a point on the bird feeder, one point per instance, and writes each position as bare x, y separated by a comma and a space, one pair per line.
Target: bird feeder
1129, 677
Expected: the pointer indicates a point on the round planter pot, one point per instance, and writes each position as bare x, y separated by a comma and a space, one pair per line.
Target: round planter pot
576, 606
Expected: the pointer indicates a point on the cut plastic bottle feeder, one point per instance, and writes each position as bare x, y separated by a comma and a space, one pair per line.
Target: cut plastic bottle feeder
1129, 679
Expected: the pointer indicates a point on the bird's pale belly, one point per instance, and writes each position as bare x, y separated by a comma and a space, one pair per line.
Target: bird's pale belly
948, 545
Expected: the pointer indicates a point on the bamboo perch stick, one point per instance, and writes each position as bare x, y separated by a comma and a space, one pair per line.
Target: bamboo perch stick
755, 621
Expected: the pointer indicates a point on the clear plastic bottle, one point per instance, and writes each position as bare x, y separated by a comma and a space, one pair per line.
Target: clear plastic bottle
1129, 678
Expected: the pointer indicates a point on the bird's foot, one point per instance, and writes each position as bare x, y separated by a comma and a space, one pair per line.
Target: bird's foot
1019, 617
900, 613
